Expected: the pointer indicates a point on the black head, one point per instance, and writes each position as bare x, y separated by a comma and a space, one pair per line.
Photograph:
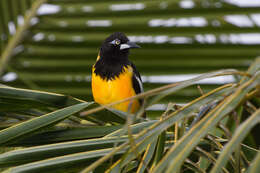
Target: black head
116, 47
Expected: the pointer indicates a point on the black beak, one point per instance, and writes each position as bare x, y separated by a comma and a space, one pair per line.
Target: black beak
129, 45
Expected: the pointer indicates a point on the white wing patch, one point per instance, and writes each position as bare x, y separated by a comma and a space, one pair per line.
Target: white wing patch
139, 82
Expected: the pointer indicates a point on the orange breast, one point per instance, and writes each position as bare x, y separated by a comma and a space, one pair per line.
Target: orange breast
109, 91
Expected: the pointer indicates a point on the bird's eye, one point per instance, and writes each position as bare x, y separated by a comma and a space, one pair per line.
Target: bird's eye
117, 42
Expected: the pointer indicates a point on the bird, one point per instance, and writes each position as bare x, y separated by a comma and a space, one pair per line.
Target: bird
114, 76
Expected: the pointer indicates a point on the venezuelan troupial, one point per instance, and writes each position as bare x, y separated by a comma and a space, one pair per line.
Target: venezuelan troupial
114, 77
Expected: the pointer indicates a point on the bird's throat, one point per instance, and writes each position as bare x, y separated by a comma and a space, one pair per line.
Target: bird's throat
109, 69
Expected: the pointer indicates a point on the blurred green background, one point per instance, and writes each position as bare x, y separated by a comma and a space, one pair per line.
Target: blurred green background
179, 39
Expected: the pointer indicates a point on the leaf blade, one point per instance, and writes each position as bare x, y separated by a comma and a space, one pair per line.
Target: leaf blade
34, 124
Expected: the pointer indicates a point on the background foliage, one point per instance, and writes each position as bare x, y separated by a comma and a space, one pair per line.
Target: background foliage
177, 37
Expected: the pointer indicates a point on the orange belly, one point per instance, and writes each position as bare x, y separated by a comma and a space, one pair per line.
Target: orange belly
109, 91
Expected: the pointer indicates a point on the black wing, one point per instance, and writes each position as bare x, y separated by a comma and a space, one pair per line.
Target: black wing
138, 85
137, 82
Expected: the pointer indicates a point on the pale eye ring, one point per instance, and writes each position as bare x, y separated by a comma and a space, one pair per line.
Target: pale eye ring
117, 42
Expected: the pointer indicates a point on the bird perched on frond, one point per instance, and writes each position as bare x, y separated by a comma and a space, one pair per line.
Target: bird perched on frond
114, 77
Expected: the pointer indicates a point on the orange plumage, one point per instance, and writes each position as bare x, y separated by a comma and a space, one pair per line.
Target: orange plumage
105, 92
